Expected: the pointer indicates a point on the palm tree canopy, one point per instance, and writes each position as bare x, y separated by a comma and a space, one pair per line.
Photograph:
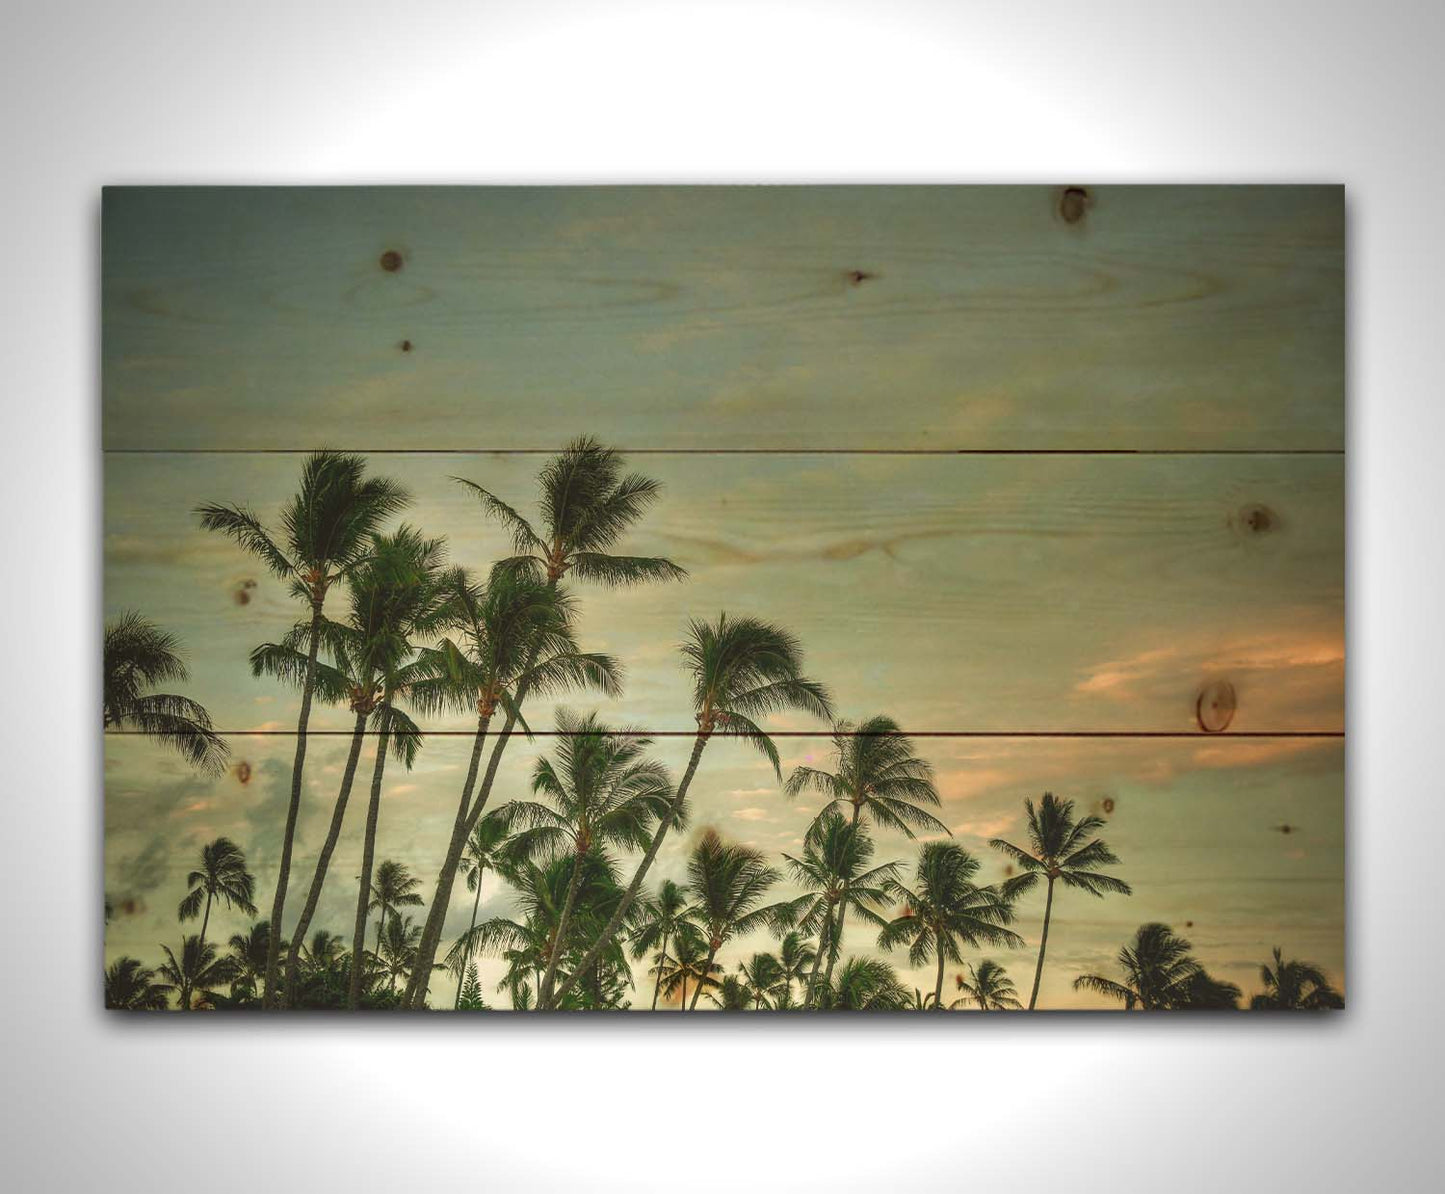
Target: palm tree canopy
197, 974
1158, 971
728, 882
222, 876
835, 853
393, 887
325, 527
945, 908
587, 504
1295, 986
137, 654
130, 986
601, 791
876, 773
865, 984
988, 985
1062, 849
744, 668
661, 916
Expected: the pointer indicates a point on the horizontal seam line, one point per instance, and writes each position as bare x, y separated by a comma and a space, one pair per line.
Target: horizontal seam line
636, 733
739, 451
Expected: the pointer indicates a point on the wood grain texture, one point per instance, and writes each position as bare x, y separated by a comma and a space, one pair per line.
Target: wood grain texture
958, 593
860, 318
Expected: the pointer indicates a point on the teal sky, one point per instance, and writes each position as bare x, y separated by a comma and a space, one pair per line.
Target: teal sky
973, 593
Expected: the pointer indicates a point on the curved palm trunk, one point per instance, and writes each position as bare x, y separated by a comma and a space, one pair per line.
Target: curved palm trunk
323, 862
471, 930
661, 962
610, 931
1043, 944
682, 1007
368, 850
549, 976
938, 987
205, 920
278, 905
468, 813
702, 979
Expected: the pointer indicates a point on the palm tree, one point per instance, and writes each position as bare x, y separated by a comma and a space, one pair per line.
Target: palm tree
195, 978
131, 987
761, 975
394, 888
728, 883
732, 995
403, 577
876, 773
326, 529
795, 956
396, 951
1207, 993
658, 922
865, 985
222, 874
946, 909
988, 985
515, 637
603, 792
138, 654
587, 505
742, 668
1158, 971
248, 954
485, 847
689, 963
1062, 850
834, 873
1294, 986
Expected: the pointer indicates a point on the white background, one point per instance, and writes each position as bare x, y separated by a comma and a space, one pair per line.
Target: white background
1087, 91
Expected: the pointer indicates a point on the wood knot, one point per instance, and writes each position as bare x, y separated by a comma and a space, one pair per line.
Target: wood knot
405, 346
1074, 203
856, 277
391, 261
1257, 519
1214, 709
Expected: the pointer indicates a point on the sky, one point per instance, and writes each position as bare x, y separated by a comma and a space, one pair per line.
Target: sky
985, 594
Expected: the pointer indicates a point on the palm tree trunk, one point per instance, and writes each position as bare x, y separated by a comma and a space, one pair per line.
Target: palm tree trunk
702, 981
810, 995
380, 922
682, 1007
278, 905
842, 911
661, 962
1043, 943
550, 975
323, 862
467, 815
471, 930
368, 850
938, 987
615, 922
205, 920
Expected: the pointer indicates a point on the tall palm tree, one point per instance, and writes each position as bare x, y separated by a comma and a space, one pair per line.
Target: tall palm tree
325, 535
876, 774
512, 636
1294, 986
659, 920
485, 847
393, 889
138, 654
603, 792
988, 985
221, 875
396, 951
742, 668
945, 910
195, 978
795, 957
130, 986
728, 882
1158, 971
406, 574
587, 504
834, 873
865, 985
1062, 850
248, 954
761, 975
689, 964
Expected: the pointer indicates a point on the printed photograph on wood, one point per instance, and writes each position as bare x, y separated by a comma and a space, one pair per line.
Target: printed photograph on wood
767, 599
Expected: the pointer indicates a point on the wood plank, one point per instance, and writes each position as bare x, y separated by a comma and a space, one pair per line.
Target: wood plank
1199, 827
959, 593
935, 318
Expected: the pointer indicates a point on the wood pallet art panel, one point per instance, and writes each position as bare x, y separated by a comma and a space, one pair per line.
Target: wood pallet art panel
745, 576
